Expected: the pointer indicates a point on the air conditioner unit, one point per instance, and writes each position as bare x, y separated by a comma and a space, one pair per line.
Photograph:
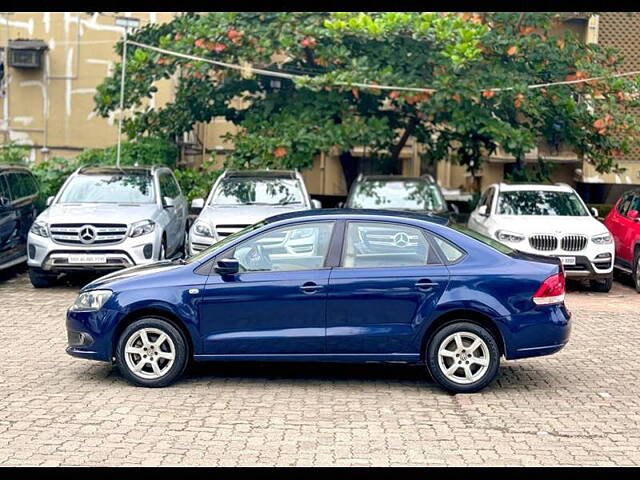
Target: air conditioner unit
26, 53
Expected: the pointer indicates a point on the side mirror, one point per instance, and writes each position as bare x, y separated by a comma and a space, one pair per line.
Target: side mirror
227, 266
168, 202
633, 214
482, 210
49, 201
4, 203
340, 205
594, 211
197, 203
316, 203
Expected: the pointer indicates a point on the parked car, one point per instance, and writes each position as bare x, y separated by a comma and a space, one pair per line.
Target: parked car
392, 192
19, 206
548, 220
241, 198
623, 221
108, 218
374, 286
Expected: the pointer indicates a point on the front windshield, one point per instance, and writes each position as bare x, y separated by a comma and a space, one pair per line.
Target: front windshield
501, 247
540, 202
252, 191
115, 188
405, 195
224, 241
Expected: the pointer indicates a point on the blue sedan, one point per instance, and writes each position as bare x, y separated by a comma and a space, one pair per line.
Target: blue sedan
329, 286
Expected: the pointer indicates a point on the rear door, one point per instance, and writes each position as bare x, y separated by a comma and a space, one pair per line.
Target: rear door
620, 226
388, 282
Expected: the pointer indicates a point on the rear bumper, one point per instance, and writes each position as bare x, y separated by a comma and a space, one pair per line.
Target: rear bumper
541, 331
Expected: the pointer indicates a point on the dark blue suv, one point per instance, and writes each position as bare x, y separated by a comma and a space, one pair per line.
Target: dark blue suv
332, 286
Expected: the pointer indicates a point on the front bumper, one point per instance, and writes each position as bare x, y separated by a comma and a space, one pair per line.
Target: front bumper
90, 334
50, 256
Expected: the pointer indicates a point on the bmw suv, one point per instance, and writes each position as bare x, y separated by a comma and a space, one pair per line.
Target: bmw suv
108, 218
241, 198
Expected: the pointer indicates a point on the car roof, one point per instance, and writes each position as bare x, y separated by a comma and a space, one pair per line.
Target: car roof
106, 169
347, 213
393, 178
519, 187
4, 167
289, 174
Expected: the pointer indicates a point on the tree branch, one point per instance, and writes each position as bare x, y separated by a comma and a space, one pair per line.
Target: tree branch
411, 127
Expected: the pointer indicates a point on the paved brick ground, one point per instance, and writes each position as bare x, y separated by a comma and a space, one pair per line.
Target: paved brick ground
581, 406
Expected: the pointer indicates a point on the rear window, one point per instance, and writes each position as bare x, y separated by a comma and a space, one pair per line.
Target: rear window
501, 247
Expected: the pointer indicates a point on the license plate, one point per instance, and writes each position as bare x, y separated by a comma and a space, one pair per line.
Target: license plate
87, 259
568, 260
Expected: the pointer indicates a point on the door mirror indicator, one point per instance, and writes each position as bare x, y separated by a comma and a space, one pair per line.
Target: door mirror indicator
168, 202
197, 203
594, 211
632, 214
49, 201
316, 203
482, 210
227, 266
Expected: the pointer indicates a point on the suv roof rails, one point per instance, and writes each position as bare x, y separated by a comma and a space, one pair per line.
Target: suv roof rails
96, 168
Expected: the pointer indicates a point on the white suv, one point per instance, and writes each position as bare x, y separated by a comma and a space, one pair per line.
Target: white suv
549, 220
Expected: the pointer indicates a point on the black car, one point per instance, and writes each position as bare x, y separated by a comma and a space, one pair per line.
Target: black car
19, 206
389, 192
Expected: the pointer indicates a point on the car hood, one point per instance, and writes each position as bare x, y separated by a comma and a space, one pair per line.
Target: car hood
114, 279
98, 212
244, 214
532, 224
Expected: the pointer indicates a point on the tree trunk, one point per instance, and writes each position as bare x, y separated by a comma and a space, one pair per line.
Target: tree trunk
411, 127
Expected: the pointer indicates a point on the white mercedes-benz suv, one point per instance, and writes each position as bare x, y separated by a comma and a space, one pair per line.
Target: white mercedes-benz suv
549, 220
108, 218
241, 198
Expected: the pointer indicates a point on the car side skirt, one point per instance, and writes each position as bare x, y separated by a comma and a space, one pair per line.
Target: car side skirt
312, 357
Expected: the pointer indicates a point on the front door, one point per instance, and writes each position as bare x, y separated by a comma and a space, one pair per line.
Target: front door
388, 283
276, 303
8, 218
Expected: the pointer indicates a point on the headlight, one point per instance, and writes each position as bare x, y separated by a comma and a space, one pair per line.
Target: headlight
506, 236
602, 239
203, 230
92, 300
40, 228
142, 228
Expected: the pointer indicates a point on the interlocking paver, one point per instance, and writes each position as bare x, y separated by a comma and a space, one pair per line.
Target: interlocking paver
580, 406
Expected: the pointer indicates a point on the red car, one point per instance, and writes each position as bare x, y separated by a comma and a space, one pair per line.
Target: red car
623, 222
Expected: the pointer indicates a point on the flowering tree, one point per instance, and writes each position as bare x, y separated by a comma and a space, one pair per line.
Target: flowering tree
478, 69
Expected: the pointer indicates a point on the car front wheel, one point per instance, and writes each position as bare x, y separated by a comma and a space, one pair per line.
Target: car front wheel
603, 286
636, 271
151, 352
463, 357
41, 279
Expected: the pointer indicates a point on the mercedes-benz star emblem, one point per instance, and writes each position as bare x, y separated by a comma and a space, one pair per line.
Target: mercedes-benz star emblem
401, 239
87, 234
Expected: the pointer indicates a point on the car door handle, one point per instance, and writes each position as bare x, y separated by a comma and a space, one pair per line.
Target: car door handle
310, 287
425, 284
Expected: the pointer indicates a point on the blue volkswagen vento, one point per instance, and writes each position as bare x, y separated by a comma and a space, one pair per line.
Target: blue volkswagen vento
333, 286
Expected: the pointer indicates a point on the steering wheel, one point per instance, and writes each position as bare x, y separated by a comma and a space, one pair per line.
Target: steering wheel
257, 259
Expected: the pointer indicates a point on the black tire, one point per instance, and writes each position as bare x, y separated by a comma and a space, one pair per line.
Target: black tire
436, 371
41, 279
163, 248
636, 270
173, 372
603, 286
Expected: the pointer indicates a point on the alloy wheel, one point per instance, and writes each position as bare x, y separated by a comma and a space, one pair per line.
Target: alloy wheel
463, 357
149, 353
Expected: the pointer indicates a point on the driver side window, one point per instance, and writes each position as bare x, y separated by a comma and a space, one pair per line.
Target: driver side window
294, 247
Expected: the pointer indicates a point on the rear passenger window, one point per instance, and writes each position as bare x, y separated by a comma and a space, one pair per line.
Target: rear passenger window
451, 253
4, 188
623, 206
381, 244
22, 185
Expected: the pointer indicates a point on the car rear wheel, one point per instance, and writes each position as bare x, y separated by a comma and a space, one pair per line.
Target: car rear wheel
463, 357
41, 279
162, 254
151, 353
636, 271
603, 286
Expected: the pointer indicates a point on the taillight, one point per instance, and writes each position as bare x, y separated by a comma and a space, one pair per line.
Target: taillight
551, 291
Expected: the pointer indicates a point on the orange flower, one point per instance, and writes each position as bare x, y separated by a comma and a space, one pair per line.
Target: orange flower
518, 100
526, 30
456, 97
200, 43
488, 93
355, 92
512, 50
560, 44
308, 42
280, 152
393, 95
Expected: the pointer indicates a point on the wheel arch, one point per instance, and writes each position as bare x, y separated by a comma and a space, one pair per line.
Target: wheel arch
462, 315
157, 313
